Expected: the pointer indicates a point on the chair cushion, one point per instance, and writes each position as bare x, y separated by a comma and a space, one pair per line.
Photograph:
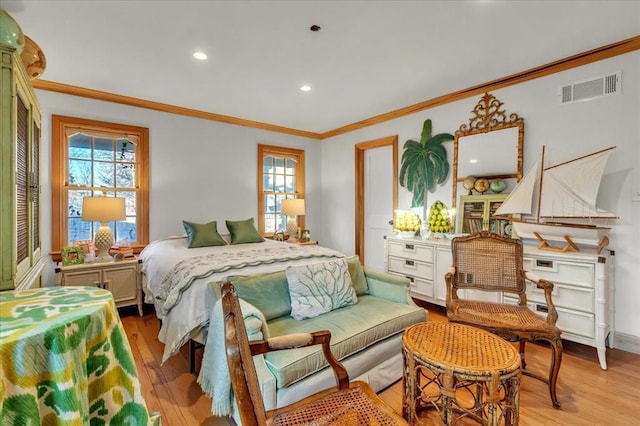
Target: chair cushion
500, 316
353, 328
340, 408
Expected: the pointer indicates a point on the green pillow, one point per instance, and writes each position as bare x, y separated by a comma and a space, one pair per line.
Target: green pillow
203, 234
243, 231
358, 279
267, 292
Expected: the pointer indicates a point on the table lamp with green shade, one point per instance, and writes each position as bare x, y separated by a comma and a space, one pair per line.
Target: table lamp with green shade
293, 207
103, 210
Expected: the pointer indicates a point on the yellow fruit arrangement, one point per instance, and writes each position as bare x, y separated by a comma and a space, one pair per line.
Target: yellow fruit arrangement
407, 221
439, 218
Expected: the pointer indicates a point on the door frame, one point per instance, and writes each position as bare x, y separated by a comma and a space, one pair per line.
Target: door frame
360, 149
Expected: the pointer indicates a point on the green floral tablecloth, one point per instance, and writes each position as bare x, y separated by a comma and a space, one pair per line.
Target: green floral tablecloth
65, 360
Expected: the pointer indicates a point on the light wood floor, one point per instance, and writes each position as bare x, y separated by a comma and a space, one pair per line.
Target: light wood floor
589, 395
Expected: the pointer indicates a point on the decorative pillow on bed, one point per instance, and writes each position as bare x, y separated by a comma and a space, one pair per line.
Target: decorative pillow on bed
243, 231
203, 234
320, 287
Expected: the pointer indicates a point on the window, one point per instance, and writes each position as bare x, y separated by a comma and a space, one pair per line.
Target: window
280, 176
93, 158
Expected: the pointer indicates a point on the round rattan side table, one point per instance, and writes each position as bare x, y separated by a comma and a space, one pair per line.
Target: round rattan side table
460, 371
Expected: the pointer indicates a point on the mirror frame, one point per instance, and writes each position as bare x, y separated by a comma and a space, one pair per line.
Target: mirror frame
487, 116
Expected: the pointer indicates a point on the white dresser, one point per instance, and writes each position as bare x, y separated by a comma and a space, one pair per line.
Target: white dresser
583, 294
583, 284
424, 262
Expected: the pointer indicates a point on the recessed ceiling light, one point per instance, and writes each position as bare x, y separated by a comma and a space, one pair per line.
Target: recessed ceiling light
305, 88
473, 161
200, 55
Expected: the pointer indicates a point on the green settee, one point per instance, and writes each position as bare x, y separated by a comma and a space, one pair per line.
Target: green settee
366, 336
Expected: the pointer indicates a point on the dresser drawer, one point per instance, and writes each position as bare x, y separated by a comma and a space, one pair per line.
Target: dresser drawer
82, 278
411, 250
422, 287
579, 323
579, 298
569, 321
558, 271
409, 267
419, 286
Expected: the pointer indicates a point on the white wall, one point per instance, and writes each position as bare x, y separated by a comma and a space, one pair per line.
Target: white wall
200, 170
566, 130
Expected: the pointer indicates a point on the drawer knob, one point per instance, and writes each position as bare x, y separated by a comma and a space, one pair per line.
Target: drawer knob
409, 247
409, 262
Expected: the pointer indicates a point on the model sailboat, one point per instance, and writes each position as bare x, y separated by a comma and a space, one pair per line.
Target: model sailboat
558, 203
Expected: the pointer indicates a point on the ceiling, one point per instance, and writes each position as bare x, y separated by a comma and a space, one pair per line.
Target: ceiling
369, 58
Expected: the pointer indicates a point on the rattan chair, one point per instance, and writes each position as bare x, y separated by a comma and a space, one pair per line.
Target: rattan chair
490, 263
352, 403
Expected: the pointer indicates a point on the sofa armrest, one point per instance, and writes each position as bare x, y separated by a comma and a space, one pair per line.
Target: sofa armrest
266, 379
302, 340
268, 389
387, 286
267, 382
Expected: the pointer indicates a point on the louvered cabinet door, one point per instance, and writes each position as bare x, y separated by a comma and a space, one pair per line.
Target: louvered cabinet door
22, 188
21, 264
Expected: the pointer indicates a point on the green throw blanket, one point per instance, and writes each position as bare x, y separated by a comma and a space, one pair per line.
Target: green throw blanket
214, 375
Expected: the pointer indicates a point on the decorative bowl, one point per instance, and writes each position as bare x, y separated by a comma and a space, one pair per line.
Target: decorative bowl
10, 32
33, 58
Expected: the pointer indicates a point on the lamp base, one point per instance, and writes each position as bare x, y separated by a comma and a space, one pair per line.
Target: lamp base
292, 229
103, 242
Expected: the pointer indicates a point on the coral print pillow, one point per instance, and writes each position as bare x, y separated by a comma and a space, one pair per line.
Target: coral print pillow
320, 287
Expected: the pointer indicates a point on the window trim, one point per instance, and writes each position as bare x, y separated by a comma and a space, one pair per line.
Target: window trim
264, 150
59, 168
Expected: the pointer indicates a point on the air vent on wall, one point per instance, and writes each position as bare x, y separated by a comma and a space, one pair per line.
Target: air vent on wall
595, 87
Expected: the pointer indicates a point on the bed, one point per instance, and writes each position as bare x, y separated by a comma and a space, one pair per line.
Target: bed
176, 279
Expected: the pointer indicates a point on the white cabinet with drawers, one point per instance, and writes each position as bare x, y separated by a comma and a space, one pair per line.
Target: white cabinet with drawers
583, 285
582, 294
424, 262
121, 278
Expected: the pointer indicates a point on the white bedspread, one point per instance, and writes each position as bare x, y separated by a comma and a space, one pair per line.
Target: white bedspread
184, 304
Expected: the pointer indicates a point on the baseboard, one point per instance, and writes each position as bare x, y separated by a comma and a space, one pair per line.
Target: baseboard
626, 342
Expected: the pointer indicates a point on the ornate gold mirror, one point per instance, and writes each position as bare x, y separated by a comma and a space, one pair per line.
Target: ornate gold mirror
489, 147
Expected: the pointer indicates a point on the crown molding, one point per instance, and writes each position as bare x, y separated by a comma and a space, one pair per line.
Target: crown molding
68, 89
594, 55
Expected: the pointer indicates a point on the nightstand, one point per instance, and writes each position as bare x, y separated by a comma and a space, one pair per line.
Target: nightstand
120, 277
